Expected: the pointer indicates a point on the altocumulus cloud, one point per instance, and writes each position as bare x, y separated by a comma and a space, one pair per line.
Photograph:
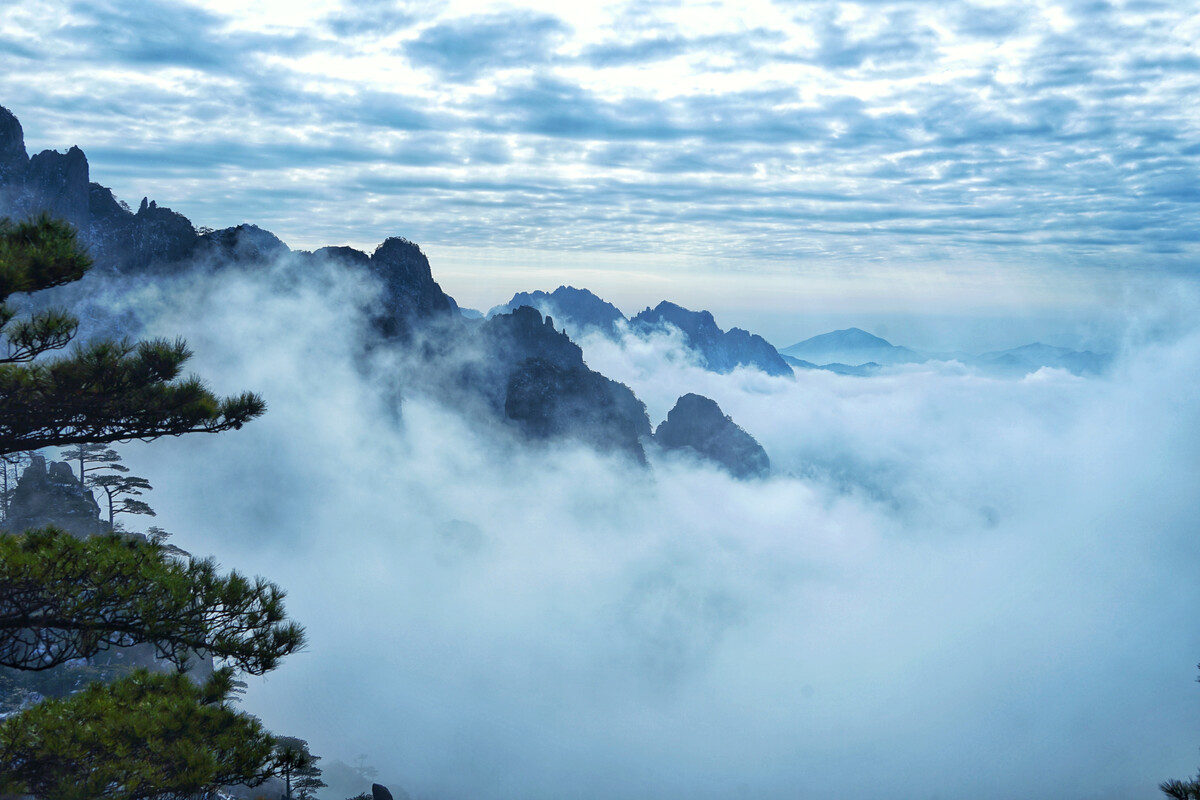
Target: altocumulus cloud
1022, 133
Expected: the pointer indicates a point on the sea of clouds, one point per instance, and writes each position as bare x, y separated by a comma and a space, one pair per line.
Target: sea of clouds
952, 585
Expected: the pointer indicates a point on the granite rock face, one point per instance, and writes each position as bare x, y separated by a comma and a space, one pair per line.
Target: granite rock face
241, 244
516, 366
697, 423
575, 309
519, 369
14, 160
53, 496
722, 351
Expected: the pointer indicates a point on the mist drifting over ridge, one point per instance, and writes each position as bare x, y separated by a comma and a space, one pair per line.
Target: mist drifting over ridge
952, 584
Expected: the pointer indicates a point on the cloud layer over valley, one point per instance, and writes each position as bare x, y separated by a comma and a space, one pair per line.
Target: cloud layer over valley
952, 585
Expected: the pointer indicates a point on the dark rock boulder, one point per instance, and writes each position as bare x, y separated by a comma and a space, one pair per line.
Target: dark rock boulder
721, 351
122, 240
697, 423
344, 255
379, 792
53, 496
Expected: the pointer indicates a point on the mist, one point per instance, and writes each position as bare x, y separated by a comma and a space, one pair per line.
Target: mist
952, 585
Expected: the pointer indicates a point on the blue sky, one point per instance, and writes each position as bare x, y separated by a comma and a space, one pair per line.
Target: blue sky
767, 160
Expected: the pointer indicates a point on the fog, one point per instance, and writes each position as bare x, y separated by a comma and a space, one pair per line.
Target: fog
952, 585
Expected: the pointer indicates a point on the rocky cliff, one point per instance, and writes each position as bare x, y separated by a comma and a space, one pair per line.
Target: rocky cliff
53, 496
534, 377
577, 310
698, 425
722, 351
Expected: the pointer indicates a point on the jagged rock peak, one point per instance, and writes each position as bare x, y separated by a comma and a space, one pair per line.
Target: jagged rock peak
722, 351
577, 308
697, 423
13, 157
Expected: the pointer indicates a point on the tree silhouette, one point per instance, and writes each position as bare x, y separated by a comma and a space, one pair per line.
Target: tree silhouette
114, 486
105, 390
145, 735
103, 457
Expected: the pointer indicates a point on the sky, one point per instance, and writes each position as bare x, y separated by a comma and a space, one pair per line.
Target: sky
998, 169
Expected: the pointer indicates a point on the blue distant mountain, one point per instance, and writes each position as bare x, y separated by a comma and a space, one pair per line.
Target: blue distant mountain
1032, 357
852, 347
853, 351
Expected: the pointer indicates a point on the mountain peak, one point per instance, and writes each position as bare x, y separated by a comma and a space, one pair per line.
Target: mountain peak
13, 157
849, 337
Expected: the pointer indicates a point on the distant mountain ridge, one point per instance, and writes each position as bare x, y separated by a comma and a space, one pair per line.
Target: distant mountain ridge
573, 308
851, 346
513, 368
723, 351
853, 351
720, 351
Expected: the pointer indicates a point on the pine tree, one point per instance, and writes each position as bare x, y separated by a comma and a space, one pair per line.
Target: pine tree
143, 736
115, 486
104, 390
98, 455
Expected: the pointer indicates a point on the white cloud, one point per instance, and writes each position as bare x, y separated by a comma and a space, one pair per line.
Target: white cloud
965, 586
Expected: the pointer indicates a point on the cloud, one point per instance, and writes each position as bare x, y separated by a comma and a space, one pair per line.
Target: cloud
376, 18
175, 34
744, 46
463, 49
1065, 130
952, 585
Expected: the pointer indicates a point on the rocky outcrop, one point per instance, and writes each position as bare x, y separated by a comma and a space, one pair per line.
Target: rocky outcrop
380, 792
575, 309
722, 351
409, 289
241, 244
58, 183
547, 401
14, 160
410, 295
517, 368
697, 424
123, 240
53, 496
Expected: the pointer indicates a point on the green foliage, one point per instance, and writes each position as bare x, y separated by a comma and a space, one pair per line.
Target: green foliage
103, 391
298, 767
1181, 790
144, 736
114, 486
63, 598
96, 455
